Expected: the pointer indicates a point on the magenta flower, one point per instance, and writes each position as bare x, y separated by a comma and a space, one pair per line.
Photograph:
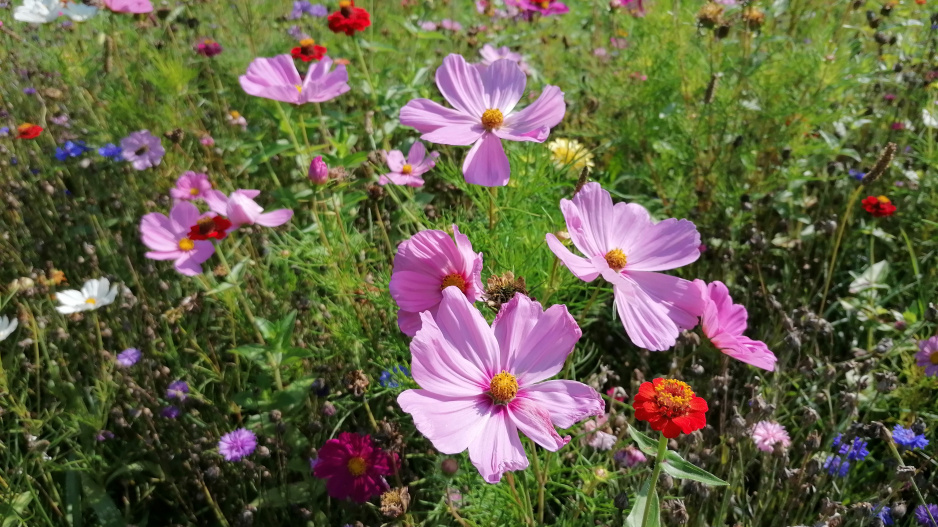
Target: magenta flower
480, 385
626, 247
724, 323
241, 209
484, 114
353, 467
766, 434
191, 185
277, 78
408, 171
237, 444
425, 265
927, 356
544, 7
169, 238
318, 171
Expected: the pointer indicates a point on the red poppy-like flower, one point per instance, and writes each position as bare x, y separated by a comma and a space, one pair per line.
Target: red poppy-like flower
28, 131
308, 51
349, 19
878, 206
352, 467
214, 227
670, 407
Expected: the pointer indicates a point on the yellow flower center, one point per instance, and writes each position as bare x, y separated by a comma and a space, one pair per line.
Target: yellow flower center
186, 244
883, 199
345, 4
674, 395
193, 192
503, 387
299, 88
407, 169
545, 4
492, 118
455, 279
616, 259
91, 301
307, 42
234, 114
357, 466
933, 358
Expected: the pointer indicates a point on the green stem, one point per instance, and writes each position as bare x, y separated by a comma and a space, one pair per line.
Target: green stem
492, 191
918, 493
659, 458
361, 58
840, 234
326, 136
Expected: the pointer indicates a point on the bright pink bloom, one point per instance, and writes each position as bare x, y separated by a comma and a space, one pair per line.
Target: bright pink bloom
626, 247
353, 467
318, 171
408, 171
484, 113
724, 323
766, 434
129, 6
169, 238
191, 185
425, 265
927, 356
544, 7
277, 78
481, 385
241, 209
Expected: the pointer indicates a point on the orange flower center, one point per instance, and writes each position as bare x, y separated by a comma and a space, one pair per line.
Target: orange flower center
674, 396
883, 199
407, 169
616, 259
455, 279
503, 387
492, 118
933, 358
234, 114
545, 4
186, 244
345, 3
357, 466
23, 128
94, 301
193, 192
307, 43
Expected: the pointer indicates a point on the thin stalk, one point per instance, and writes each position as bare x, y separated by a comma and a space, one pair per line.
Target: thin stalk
492, 192
895, 453
326, 136
840, 235
361, 58
514, 494
662, 449
541, 477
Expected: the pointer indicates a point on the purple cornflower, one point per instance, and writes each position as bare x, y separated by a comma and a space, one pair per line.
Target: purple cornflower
856, 174
61, 120
629, 456
29, 91
170, 412
104, 435
387, 376
303, 7
856, 451
142, 149
297, 33
177, 390
111, 151
71, 149
238, 444
927, 514
906, 438
836, 466
4, 131
884, 513
128, 357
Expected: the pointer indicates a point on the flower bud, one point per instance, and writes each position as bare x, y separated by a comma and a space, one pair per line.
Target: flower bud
318, 171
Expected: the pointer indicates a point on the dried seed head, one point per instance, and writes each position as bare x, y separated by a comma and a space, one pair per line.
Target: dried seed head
501, 289
881, 164
710, 15
356, 382
394, 502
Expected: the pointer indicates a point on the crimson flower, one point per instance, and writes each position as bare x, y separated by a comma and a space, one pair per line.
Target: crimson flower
352, 467
215, 227
670, 406
878, 206
308, 51
349, 19
28, 131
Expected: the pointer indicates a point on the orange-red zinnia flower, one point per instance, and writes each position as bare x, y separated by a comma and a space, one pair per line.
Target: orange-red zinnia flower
308, 51
878, 206
349, 19
670, 407
28, 131
214, 227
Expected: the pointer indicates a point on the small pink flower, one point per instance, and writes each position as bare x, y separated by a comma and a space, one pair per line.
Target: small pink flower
481, 385
766, 434
408, 171
425, 265
241, 209
428, 26
898, 126
207, 140
353, 467
927, 356
595, 436
450, 25
277, 78
129, 6
724, 323
618, 43
318, 171
168, 237
629, 456
191, 185
490, 54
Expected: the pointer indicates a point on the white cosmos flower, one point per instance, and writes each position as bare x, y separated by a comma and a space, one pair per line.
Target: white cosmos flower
44, 11
96, 293
7, 327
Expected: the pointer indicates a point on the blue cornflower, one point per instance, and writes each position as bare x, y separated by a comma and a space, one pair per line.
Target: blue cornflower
304, 7
885, 514
837, 466
71, 149
112, 151
905, 437
856, 451
387, 376
856, 174
4, 131
29, 91
837, 439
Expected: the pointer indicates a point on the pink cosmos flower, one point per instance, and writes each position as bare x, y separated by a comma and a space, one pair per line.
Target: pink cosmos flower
927, 356
480, 385
544, 7
169, 238
490, 54
408, 171
241, 209
484, 114
724, 323
425, 265
353, 467
191, 185
277, 78
626, 247
766, 434
129, 6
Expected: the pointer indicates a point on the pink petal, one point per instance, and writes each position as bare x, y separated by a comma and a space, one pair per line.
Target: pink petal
450, 423
156, 232
408, 322
744, 349
395, 161
721, 315
533, 420
579, 266
459, 134
472, 265
217, 201
401, 179
497, 448
414, 290
415, 155
486, 163
164, 255
274, 218
503, 82
646, 322
467, 331
426, 116
190, 263
681, 298
440, 367
242, 210
183, 216
461, 85
272, 78
590, 220
668, 244
534, 122
568, 402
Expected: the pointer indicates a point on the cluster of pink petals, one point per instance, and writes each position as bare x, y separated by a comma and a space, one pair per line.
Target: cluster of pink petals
168, 238
277, 78
422, 265
455, 357
241, 209
473, 92
552, 7
724, 323
408, 171
490, 54
191, 186
767, 434
334, 461
135, 7
654, 307
595, 436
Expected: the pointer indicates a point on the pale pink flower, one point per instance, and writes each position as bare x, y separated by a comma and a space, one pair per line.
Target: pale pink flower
766, 434
595, 436
544, 7
927, 356
480, 385
191, 185
277, 78
724, 323
241, 209
408, 171
425, 265
490, 54
623, 245
168, 238
484, 113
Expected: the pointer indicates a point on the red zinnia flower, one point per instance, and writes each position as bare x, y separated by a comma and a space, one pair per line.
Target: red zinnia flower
215, 227
349, 19
28, 131
308, 51
878, 206
352, 467
670, 407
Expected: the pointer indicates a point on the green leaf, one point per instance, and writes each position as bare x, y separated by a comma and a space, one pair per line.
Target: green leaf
268, 329
103, 505
73, 498
638, 509
13, 511
253, 352
645, 444
677, 467
285, 331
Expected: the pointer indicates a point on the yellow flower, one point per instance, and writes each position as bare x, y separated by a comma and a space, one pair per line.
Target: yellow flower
569, 153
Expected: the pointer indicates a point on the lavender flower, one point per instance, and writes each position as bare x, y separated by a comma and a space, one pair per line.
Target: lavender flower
629, 456
4, 131
142, 149
170, 412
856, 451
128, 357
238, 444
885, 514
907, 438
177, 390
927, 514
104, 435
111, 151
836, 466
29, 91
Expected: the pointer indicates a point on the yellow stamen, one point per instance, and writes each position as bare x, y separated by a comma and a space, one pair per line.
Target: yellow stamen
492, 118
674, 395
345, 4
193, 192
503, 387
545, 4
357, 466
299, 88
307, 42
407, 169
455, 279
616, 259
186, 244
234, 114
91, 301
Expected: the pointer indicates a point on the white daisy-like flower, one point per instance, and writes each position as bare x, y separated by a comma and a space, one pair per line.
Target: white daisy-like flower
45, 11
96, 293
7, 327
570, 153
